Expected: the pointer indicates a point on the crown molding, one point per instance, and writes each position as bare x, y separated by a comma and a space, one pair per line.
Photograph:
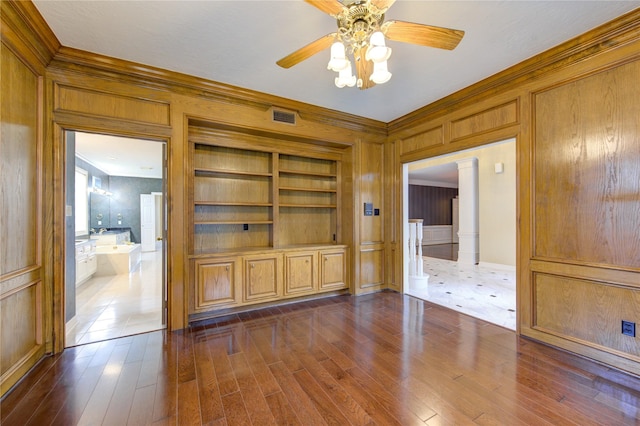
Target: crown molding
620, 31
74, 60
23, 20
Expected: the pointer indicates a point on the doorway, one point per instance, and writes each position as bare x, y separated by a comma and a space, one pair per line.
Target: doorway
115, 200
483, 288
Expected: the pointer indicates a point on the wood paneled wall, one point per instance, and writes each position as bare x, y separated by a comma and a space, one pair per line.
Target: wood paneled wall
25, 297
575, 113
431, 203
370, 255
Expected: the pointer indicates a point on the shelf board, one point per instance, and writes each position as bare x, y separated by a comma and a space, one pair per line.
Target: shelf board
303, 173
230, 172
310, 206
231, 203
291, 188
234, 222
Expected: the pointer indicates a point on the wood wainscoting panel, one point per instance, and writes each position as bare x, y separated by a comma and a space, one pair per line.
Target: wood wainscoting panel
588, 312
371, 187
19, 163
372, 263
485, 121
22, 304
426, 139
85, 101
587, 173
21, 328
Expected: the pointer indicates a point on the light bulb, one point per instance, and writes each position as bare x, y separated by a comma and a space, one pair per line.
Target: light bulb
345, 77
380, 73
338, 59
377, 50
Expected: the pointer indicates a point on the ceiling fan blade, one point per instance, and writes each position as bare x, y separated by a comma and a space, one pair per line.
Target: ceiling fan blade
364, 69
382, 5
424, 35
307, 51
332, 7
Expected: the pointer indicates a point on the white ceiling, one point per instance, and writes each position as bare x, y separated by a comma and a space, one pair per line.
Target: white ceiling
118, 156
445, 175
238, 42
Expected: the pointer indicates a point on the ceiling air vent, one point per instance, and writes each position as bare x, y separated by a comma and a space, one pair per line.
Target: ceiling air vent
284, 116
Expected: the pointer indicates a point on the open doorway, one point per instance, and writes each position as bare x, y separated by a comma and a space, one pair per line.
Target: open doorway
481, 282
115, 275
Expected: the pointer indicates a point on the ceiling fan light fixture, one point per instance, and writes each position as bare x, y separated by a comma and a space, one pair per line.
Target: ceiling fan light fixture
377, 50
345, 77
380, 73
361, 35
338, 60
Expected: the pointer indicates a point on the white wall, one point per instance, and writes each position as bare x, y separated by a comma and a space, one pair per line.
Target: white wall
497, 198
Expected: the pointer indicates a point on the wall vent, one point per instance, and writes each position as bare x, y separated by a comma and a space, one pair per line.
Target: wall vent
284, 116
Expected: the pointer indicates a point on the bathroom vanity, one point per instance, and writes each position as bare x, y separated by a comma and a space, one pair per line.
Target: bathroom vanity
112, 237
86, 262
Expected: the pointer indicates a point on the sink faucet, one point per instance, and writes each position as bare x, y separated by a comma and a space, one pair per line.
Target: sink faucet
102, 230
92, 231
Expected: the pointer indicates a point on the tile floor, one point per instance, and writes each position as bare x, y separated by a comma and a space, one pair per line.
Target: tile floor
483, 293
119, 305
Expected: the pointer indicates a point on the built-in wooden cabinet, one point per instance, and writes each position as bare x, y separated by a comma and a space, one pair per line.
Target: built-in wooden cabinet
262, 277
232, 198
216, 283
271, 207
333, 268
301, 273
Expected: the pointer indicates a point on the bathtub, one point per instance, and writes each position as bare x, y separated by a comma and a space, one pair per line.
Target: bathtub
117, 259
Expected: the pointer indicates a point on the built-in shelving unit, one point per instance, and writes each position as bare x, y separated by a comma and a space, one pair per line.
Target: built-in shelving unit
265, 219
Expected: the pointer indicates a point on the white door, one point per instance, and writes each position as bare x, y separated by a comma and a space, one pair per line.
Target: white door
147, 222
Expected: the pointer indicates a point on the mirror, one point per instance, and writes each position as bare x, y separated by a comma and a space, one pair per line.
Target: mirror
99, 211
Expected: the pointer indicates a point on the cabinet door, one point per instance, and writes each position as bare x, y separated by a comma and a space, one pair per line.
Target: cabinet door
215, 283
82, 269
333, 268
262, 277
92, 264
301, 274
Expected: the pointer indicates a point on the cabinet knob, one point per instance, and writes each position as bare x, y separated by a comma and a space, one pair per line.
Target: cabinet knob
253, 265
227, 267
326, 258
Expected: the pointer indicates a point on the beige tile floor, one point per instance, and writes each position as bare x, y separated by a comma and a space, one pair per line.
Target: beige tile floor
485, 293
118, 305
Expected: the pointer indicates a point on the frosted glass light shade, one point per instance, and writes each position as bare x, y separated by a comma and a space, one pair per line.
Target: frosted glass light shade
380, 73
377, 50
338, 59
345, 77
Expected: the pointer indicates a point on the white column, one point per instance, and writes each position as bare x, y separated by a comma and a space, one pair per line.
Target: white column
419, 262
468, 252
412, 248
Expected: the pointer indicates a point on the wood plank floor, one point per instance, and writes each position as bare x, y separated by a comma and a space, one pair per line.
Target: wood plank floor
383, 359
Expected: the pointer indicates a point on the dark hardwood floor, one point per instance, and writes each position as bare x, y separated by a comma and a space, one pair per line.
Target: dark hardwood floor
441, 251
382, 359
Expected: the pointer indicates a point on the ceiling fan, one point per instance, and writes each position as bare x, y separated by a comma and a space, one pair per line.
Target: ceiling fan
361, 33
